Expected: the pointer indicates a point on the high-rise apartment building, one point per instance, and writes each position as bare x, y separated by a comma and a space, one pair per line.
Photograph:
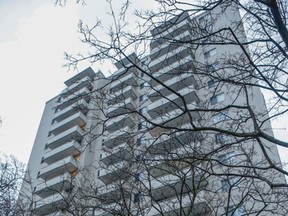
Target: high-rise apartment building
158, 137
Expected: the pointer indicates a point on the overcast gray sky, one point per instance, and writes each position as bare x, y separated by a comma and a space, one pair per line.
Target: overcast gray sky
34, 34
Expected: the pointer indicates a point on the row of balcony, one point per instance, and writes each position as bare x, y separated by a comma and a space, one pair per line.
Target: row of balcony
60, 162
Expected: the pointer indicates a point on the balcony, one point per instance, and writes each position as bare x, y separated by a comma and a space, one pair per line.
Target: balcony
74, 133
51, 204
76, 119
167, 46
114, 173
85, 82
120, 122
167, 143
127, 79
122, 94
175, 83
120, 154
178, 188
201, 208
114, 196
176, 118
83, 93
54, 186
118, 137
125, 106
71, 148
172, 57
68, 164
183, 66
172, 102
167, 167
80, 105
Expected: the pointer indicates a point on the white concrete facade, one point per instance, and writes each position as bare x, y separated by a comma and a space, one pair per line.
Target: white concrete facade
104, 125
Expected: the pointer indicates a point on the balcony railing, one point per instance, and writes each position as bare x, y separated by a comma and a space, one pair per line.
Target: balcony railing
76, 119
167, 143
74, 133
71, 148
123, 82
80, 105
200, 208
122, 94
172, 102
51, 204
184, 65
173, 57
83, 93
68, 164
114, 173
175, 83
125, 106
122, 154
118, 137
178, 188
114, 196
54, 186
85, 82
120, 122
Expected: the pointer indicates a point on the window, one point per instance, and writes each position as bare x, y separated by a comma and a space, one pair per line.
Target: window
46, 146
142, 85
100, 156
211, 68
210, 53
142, 125
143, 110
228, 158
219, 117
138, 177
234, 211
59, 100
221, 138
53, 121
230, 182
98, 173
38, 174
212, 84
137, 197
205, 22
56, 110
140, 141
217, 98
139, 158
42, 160
143, 97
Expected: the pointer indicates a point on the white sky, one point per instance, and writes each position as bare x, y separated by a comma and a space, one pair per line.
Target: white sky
34, 34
